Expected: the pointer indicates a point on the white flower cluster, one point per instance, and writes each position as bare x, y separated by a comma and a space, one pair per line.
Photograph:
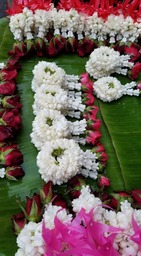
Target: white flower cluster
109, 88
66, 23
104, 61
2, 173
58, 95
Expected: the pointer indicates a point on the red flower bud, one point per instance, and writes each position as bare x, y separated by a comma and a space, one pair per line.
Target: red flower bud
104, 181
33, 210
6, 133
102, 156
11, 102
56, 46
71, 45
136, 195
84, 78
7, 88
117, 198
30, 46
46, 194
40, 46
18, 221
59, 201
99, 148
10, 155
93, 137
19, 50
85, 47
133, 51
90, 112
135, 71
75, 186
8, 74
11, 118
14, 172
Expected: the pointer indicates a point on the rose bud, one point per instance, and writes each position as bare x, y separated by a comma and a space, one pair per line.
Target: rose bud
104, 182
71, 45
88, 87
75, 186
92, 137
99, 148
14, 172
40, 46
11, 102
85, 47
135, 71
88, 99
19, 50
8, 74
13, 63
139, 86
6, 133
90, 112
93, 124
11, 118
34, 208
59, 201
10, 155
18, 221
136, 195
117, 198
59, 43
7, 88
133, 51
119, 47
30, 46
102, 156
84, 78
46, 194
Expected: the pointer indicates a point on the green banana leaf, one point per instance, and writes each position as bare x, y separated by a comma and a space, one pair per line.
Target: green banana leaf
121, 136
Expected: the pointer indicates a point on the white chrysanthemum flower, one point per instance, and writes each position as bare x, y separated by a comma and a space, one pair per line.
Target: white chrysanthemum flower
30, 240
105, 61
49, 125
2, 173
109, 88
47, 72
53, 211
59, 160
50, 97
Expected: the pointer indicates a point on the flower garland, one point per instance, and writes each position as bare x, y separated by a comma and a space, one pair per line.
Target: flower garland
48, 31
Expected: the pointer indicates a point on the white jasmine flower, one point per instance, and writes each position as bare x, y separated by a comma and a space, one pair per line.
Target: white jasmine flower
47, 72
49, 125
50, 97
89, 164
59, 160
2, 65
51, 212
2, 173
105, 61
77, 127
30, 240
42, 22
109, 89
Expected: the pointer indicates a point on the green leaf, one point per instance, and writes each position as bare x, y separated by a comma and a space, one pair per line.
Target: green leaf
121, 133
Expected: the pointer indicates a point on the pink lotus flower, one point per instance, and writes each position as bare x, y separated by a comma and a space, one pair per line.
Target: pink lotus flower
93, 137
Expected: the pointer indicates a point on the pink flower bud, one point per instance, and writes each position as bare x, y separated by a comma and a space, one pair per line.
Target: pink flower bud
93, 124
14, 172
88, 99
18, 221
104, 181
84, 78
93, 137
46, 193
7, 74
7, 88
11, 118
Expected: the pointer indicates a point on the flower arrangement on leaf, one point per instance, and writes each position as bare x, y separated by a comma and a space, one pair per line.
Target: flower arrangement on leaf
75, 212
